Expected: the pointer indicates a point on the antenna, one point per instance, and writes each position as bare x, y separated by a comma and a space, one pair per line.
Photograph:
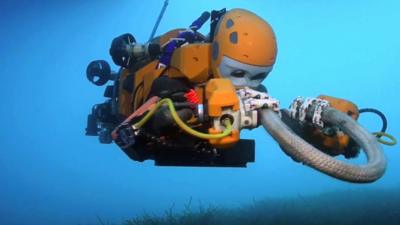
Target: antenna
159, 19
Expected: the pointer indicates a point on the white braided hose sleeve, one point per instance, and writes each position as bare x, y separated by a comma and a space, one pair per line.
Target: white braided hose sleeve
304, 152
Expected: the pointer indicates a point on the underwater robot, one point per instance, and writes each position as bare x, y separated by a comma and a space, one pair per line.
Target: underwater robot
182, 99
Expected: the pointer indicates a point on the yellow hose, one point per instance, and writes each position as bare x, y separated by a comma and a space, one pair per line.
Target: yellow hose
392, 139
182, 124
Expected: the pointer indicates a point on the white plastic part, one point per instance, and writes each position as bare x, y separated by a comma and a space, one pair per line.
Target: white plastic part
300, 108
253, 100
235, 115
295, 106
320, 105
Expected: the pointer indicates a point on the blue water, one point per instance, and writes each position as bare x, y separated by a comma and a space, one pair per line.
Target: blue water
50, 173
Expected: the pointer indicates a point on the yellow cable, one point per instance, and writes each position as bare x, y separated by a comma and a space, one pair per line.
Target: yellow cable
392, 139
182, 124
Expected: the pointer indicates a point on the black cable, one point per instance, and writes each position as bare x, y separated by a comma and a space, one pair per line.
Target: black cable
380, 114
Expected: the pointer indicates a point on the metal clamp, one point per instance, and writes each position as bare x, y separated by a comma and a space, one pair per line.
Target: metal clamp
301, 109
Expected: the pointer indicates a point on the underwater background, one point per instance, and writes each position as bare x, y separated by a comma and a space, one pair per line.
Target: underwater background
51, 173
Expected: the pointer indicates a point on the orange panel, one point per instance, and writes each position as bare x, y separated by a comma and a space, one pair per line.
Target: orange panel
342, 105
225, 142
192, 61
124, 97
220, 94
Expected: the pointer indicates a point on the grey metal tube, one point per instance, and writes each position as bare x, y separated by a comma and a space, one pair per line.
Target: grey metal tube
153, 32
304, 152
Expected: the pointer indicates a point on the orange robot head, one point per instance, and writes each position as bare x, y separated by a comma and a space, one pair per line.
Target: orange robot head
244, 48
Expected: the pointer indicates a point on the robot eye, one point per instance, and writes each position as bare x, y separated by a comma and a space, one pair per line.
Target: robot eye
238, 73
260, 76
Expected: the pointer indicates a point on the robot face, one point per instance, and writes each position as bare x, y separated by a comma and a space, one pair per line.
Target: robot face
242, 74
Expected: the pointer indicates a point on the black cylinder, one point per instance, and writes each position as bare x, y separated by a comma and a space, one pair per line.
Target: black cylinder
154, 50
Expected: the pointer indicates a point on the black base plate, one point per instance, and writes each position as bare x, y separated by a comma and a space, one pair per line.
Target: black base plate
238, 156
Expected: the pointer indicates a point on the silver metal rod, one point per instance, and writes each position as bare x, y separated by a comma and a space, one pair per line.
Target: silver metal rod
159, 20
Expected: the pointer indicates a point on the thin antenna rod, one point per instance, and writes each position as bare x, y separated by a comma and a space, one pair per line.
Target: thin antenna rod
159, 20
